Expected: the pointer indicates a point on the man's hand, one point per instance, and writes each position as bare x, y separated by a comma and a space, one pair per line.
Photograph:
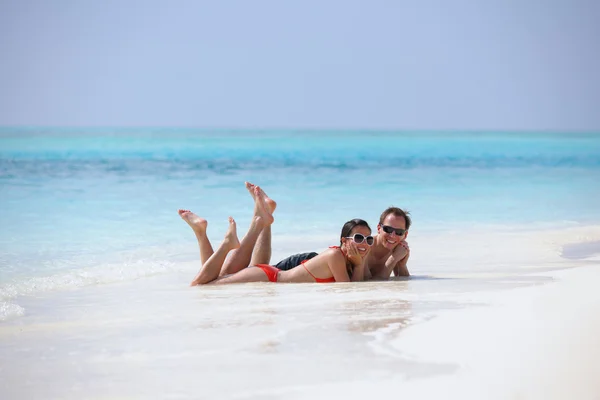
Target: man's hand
403, 251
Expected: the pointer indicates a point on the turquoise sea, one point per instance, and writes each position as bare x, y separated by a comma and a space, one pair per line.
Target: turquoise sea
95, 265
91, 206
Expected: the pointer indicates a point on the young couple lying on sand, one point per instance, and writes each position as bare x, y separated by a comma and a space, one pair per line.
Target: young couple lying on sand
359, 256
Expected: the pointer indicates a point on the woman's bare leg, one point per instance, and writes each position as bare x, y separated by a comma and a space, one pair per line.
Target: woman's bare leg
211, 268
251, 274
241, 258
262, 250
199, 226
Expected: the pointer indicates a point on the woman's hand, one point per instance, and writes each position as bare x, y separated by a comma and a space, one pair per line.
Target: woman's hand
354, 256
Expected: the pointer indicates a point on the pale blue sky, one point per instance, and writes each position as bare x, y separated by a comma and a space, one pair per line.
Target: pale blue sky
431, 64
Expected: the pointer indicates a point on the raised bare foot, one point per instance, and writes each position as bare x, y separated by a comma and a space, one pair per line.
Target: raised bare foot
261, 209
271, 204
231, 238
198, 224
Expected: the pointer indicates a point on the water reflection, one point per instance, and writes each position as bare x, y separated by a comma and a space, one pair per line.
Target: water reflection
375, 315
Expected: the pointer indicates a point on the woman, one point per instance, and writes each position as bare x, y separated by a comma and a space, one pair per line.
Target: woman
337, 264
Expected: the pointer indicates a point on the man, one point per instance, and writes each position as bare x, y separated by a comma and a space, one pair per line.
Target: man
389, 253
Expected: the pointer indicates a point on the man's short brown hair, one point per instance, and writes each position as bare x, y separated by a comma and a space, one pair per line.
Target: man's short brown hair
398, 212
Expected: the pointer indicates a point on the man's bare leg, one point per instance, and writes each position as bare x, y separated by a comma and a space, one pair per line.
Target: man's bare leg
199, 226
262, 250
212, 266
240, 258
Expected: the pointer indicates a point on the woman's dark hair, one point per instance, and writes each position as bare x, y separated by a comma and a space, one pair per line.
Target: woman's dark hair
353, 223
346, 229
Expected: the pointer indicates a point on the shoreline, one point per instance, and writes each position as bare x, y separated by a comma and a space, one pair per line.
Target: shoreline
533, 342
539, 251
582, 251
469, 342
539, 343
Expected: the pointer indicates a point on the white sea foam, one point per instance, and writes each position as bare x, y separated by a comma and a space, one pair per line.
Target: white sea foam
76, 278
10, 310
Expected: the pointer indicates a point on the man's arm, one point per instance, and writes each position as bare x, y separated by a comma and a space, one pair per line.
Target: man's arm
394, 261
401, 268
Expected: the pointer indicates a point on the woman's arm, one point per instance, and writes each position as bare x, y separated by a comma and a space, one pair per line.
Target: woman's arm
358, 273
368, 275
358, 262
337, 265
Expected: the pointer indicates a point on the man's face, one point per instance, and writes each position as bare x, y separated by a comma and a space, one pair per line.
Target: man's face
391, 224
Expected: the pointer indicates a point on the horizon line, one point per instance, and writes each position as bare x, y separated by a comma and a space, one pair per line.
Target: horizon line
300, 129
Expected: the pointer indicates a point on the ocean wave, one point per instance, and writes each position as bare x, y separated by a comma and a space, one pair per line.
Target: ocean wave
13, 169
10, 310
77, 278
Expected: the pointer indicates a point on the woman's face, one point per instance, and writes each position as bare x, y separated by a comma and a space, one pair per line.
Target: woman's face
363, 247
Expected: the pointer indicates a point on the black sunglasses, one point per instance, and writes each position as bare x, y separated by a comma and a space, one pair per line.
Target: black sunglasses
389, 229
358, 239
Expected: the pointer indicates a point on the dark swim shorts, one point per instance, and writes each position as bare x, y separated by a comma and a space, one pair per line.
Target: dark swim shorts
294, 261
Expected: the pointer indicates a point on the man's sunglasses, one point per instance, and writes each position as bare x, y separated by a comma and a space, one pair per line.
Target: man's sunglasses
358, 239
389, 229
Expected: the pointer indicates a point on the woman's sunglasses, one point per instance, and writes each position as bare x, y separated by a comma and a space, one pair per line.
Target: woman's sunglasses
389, 229
358, 239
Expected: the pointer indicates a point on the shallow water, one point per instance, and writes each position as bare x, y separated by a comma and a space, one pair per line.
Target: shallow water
95, 263
81, 199
121, 339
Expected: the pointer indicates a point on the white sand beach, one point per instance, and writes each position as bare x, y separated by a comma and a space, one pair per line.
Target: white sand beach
531, 334
479, 120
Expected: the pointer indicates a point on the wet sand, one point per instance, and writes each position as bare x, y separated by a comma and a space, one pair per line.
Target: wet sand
507, 334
